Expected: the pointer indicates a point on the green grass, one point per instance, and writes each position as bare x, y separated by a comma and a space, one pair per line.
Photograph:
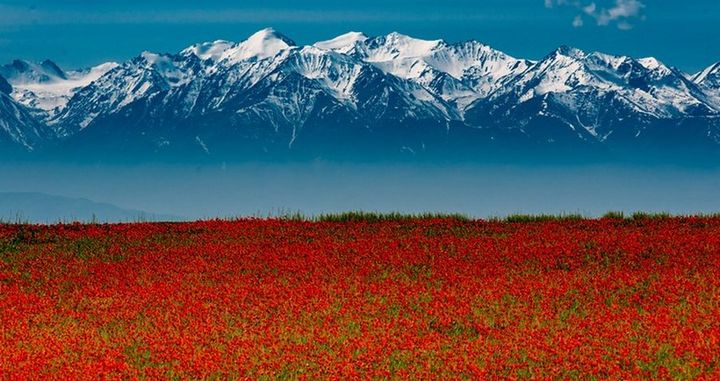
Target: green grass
543, 217
364, 216
613, 215
649, 216
359, 216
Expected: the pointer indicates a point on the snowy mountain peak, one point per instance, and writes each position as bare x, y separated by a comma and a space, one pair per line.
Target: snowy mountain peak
268, 39
568, 51
709, 80
608, 61
397, 37
650, 63
20, 66
709, 76
150, 57
265, 43
52, 68
24, 72
208, 50
268, 34
45, 86
342, 43
101, 69
396, 46
268, 95
170, 68
653, 64
459, 73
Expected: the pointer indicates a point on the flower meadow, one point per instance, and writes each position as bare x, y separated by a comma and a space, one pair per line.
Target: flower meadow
431, 298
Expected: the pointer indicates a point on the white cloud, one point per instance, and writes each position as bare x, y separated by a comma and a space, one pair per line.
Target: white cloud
620, 13
624, 25
590, 8
578, 21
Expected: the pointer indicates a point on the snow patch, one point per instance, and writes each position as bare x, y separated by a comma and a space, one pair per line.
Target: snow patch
51, 93
209, 50
265, 43
343, 43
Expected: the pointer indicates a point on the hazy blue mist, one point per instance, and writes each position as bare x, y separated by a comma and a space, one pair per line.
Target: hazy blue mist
272, 189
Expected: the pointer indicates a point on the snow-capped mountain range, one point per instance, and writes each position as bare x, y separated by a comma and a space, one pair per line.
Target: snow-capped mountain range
357, 96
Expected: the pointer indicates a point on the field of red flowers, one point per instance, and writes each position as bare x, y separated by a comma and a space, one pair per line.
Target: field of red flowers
407, 299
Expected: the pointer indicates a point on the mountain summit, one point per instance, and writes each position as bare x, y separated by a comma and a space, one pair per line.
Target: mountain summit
359, 97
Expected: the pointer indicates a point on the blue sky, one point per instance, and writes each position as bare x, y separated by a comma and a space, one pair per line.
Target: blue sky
78, 33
